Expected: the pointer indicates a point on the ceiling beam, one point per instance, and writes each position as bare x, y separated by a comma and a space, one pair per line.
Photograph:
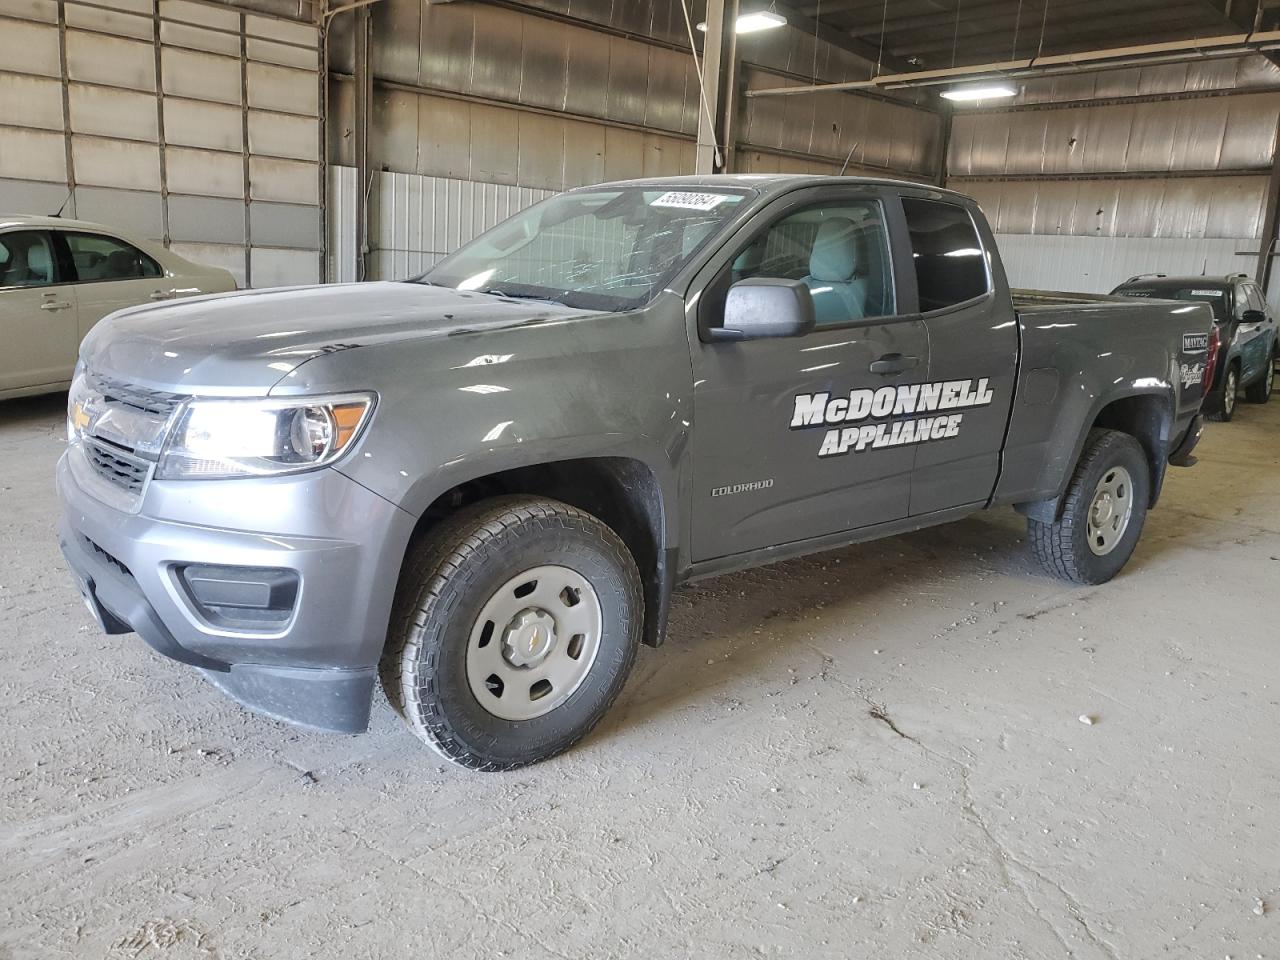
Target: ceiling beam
1246, 15
979, 45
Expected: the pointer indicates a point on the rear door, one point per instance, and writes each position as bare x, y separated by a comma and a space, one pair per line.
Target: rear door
973, 350
112, 274
786, 443
38, 327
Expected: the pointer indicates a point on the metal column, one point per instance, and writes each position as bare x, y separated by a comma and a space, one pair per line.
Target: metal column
719, 83
1267, 242
362, 37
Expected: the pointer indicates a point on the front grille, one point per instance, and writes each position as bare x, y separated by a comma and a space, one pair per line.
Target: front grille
117, 466
141, 398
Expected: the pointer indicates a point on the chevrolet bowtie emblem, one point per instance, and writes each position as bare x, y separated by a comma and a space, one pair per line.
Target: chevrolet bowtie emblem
80, 417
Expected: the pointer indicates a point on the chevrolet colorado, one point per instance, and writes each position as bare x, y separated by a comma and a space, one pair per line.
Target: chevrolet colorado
489, 480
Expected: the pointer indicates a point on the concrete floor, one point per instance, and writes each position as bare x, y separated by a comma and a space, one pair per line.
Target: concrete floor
873, 753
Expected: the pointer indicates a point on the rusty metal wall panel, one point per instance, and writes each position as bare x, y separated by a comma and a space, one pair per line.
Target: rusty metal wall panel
1219, 133
1172, 207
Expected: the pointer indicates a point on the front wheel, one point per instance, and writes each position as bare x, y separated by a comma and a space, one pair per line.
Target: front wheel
1102, 518
1260, 390
515, 626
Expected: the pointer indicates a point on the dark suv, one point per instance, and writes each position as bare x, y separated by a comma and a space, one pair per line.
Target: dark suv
1242, 349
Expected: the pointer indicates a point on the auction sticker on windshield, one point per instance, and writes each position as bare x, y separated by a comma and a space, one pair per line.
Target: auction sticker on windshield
684, 200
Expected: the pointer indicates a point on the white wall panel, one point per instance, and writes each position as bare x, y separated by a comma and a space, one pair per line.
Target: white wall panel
288, 181
29, 48
190, 123
113, 113
201, 76
227, 256
115, 61
31, 101
32, 155
116, 163
1098, 264
283, 268
200, 173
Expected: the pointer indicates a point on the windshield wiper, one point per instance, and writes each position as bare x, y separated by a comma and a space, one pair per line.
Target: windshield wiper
523, 296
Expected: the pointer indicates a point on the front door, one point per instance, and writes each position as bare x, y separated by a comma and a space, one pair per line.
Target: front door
791, 437
38, 327
111, 275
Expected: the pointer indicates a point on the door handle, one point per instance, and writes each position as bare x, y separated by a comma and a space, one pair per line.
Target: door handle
55, 305
893, 363
162, 295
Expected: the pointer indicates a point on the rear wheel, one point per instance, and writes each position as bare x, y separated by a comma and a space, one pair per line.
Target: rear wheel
1102, 518
1222, 407
1260, 390
515, 626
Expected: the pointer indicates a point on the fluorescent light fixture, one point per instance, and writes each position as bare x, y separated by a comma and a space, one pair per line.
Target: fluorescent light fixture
990, 91
754, 22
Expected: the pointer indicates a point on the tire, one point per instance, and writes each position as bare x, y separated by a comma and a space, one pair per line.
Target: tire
453, 621
1221, 406
1064, 547
1260, 390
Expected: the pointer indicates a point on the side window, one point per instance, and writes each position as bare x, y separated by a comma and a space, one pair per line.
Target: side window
950, 265
1256, 302
839, 250
26, 259
1241, 300
99, 258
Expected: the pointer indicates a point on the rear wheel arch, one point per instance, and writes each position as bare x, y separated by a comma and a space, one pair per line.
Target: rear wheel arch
1147, 417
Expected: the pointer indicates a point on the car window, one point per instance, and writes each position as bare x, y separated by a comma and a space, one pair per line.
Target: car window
1256, 301
950, 265
1219, 298
839, 250
105, 258
26, 259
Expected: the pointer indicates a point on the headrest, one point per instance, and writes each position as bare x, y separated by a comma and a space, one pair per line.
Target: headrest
39, 264
835, 252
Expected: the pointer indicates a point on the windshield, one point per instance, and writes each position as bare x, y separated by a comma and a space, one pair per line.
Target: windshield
608, 249
1216, 297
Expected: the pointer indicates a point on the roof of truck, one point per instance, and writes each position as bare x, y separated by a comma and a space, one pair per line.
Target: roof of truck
768, 182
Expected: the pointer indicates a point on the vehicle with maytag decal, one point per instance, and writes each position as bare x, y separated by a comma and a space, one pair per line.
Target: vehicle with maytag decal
486, 482
1243, 347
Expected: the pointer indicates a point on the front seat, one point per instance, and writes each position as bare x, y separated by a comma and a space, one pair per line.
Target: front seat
39, 264
839, 294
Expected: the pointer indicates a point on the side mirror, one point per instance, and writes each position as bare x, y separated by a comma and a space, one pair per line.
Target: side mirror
766, 307
1253, 316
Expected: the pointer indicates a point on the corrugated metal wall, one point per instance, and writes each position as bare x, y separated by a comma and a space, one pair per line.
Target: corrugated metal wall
493, 97
1168, 174
185, 123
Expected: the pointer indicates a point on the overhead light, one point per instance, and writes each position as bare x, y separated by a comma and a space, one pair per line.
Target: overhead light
754, 22
992, 91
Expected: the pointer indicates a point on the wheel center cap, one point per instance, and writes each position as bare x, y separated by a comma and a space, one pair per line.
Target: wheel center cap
1103, 509
529, 637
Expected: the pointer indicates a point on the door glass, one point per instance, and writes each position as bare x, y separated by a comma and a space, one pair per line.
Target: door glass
950, 265
1255, 298
26, 259
839, 250
99, 258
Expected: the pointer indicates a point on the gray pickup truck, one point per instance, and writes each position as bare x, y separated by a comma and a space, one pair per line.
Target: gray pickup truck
487, 481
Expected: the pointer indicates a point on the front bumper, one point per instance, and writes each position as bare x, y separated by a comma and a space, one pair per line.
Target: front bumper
318, 667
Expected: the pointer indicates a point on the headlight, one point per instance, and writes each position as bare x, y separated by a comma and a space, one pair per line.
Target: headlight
218, 439
77, 408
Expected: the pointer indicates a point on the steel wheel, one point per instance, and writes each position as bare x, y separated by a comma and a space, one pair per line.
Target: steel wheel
533, 643
1110, 510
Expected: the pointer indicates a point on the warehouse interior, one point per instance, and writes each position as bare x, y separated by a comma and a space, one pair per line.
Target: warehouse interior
918, 746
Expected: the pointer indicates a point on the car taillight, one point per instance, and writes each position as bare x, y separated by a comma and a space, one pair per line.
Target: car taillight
1211, 360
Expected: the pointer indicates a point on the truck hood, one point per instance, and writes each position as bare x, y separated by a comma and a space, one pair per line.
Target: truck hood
244, 343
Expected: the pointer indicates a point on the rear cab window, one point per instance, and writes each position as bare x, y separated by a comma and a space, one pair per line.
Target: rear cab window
951, 267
